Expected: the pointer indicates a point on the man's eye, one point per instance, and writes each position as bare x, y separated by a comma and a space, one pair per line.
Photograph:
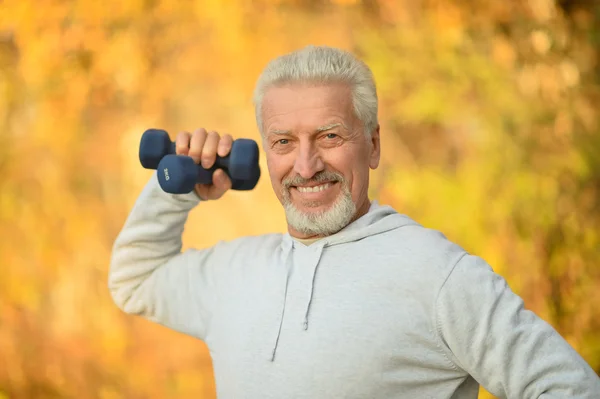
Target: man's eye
283, 141
331, 135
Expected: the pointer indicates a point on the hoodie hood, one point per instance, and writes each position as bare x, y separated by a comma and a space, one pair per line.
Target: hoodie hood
378, 219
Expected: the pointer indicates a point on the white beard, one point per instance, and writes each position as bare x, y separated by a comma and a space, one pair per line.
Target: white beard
325, 222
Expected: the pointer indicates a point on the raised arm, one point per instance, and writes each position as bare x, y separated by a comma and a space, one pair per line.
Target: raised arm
508, 349
149, 275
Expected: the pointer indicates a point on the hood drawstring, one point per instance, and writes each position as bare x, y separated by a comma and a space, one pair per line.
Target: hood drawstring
312, 284
286, 260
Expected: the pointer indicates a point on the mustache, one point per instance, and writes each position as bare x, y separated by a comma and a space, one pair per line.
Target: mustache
320, 177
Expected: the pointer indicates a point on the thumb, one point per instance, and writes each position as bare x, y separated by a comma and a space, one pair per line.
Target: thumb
221, 183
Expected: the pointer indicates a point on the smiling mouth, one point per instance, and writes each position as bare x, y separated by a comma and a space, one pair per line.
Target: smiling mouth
314, 189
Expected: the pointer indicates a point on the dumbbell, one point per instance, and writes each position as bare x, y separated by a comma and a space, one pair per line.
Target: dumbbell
178, 174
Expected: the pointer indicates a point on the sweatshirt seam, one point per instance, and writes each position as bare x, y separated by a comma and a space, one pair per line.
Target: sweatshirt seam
445, 351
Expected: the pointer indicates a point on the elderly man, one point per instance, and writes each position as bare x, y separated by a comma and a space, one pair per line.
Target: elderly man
355, 300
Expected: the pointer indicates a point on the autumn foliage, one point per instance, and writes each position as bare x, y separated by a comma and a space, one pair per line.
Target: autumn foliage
490, 126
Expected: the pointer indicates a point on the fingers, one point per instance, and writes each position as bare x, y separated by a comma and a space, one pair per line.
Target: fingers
182, 143
209, 151
197, 144
221, 183
225, 145
204, 147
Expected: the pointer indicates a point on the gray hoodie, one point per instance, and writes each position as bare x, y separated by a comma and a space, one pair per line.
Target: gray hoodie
386, 308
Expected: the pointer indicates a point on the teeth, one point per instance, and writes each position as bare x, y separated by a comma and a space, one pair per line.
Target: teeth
314, 189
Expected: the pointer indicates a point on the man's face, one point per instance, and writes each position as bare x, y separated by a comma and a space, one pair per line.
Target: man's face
318, 156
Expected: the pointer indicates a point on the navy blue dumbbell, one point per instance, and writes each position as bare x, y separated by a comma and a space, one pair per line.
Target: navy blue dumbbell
178, 174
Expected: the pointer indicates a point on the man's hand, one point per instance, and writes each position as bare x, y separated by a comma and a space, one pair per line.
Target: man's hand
203, 147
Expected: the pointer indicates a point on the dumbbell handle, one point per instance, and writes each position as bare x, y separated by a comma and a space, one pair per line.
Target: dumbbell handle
178, 174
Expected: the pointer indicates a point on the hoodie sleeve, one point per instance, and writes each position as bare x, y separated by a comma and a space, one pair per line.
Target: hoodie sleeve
149, 276
508, 349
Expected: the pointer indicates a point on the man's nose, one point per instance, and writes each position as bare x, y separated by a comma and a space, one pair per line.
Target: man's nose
308, 161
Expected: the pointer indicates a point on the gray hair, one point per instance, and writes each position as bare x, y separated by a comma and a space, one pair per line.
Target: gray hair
322, 65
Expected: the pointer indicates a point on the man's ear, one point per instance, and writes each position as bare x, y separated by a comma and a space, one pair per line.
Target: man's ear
375, 154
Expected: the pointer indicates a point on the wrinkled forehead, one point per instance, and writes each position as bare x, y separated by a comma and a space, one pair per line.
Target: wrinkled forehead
293, 107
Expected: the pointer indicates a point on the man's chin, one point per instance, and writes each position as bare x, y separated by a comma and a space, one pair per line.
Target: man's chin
320, 218
312, 207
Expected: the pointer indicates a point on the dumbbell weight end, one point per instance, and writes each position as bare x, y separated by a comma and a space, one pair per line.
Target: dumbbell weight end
154, 145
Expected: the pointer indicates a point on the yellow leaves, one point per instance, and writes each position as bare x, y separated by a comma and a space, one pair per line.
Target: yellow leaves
569, 72
527, 81
109, 392
563, 125
503, 52
123, 60
480, 134
543, 10
345, 2
540, 41
189, 381
22, 293
94, 13
68, 311
548, 81
448, 23
483, 394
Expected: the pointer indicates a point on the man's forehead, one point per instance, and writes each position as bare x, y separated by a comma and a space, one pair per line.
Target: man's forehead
305, 108
318, 129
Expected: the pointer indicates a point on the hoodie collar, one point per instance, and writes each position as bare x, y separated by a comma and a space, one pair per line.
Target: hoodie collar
378, 219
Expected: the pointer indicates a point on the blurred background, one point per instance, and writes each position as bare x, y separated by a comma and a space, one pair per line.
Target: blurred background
490, 129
